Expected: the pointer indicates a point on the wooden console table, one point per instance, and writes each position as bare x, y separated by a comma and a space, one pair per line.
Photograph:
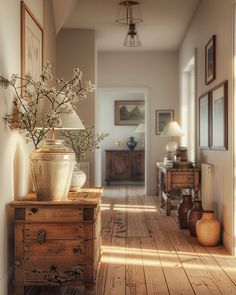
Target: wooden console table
170, 179
57, 243
124, 165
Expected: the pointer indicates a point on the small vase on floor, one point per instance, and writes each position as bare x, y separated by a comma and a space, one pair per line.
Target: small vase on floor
78, 179
183, 208
193, 216
208, 229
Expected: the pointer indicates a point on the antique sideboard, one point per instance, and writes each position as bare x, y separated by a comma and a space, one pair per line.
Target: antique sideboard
57, 243
124, 165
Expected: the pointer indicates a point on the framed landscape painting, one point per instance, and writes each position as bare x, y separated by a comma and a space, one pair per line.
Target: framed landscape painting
129, 112
204, 121
31, 44
163, 117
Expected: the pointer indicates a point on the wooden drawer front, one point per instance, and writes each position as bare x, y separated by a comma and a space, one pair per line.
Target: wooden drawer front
55, 213
56, 248
54, 271
182, 179
58, 230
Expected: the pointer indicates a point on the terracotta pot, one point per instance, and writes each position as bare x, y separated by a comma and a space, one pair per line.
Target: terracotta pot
208, 229
183, 208
193, 216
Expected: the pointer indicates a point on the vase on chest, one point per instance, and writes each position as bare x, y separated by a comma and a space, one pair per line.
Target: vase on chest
78, 178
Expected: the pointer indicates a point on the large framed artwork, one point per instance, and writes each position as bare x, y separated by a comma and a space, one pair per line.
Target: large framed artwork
129, 112
210, 60
31, 44
163, 117
204, 121
219, 116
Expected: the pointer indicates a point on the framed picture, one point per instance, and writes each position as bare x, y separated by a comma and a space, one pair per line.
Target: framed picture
210, 60
31, 44
163, 117
129, 112
219, 117
204, 121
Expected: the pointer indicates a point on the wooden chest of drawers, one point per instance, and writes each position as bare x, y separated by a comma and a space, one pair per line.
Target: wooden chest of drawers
57, 243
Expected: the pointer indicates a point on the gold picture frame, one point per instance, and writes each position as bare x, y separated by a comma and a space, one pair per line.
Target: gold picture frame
31, 44
129, 112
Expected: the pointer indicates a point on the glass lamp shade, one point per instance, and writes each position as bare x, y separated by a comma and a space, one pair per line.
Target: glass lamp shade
132, 37
129, 12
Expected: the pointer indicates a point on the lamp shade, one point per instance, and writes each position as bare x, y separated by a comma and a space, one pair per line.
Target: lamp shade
140, 128
132, 37
71, 121
172, 129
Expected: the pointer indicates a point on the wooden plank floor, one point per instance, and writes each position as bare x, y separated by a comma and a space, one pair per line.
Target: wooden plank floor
145, 252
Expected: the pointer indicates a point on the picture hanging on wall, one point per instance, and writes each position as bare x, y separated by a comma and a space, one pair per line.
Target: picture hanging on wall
163, 117
219, 116
210, 60
204, 121
129, 112
31, 44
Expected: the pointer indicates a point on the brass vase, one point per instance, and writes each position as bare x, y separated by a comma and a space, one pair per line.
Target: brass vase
51, 169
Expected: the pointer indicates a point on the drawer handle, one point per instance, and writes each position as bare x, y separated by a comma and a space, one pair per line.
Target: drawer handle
41, 236
77, 250
34, 210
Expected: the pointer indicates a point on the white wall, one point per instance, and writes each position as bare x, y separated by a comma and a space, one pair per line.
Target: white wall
76, 48
215, 17
105, 123
14, 168
156, 71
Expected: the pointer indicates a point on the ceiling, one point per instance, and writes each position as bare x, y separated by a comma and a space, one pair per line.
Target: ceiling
164, 22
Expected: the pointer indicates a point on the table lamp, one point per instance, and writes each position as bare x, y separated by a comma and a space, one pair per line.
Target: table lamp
141, 129
172, 129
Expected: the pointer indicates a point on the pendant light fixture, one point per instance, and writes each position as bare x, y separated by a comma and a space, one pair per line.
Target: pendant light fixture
132, 37
129, 12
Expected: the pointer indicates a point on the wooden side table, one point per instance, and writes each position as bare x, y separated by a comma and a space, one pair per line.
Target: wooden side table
176, 178
57, 243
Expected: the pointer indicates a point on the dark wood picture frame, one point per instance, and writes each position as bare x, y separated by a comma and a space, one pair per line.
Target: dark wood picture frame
210, 60
129, 112
163, 117
31, 43
219, 116
204, 121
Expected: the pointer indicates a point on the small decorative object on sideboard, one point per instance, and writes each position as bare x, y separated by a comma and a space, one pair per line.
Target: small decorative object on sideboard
81, 142
183, 208
182, 154
131, 143
194, 215
208, 229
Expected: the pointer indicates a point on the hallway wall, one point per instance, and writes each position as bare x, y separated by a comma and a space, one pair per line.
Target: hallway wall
156, 71
14, 152
215, 17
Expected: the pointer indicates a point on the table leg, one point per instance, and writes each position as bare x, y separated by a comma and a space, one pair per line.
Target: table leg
168, 206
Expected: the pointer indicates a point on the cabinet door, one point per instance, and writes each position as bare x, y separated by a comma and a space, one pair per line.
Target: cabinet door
138, 166
119, 166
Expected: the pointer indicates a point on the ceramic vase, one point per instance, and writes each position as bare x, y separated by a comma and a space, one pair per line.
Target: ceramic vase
78, 178
208, 229
194, 215
51, 169
131, 143
183, 208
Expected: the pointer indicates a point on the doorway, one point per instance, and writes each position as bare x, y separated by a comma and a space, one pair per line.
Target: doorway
105, 122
